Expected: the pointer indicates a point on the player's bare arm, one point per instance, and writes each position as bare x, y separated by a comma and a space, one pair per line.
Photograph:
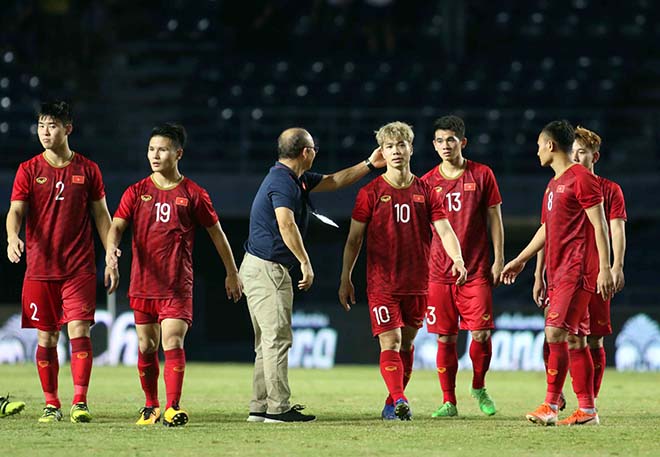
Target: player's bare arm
618, 228
102, 219
112, 253
605, 283
496, 228
453, 248
233, 284
350, 175
293, 240
15, 215
538, 291
515, 267
351, 252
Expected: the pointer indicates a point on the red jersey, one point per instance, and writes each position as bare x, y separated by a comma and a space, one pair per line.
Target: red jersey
467, 199
164, 224
398, 238
569, 236
58, 229
615, 205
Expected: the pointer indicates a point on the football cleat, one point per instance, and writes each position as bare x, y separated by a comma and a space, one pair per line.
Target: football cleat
80, 413
174, 417
486, 404
149, 415
388, 412
402, 410
51, 414
543, 415
448, 409
579, 417
9, 408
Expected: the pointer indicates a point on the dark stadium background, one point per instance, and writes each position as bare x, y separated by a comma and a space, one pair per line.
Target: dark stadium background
235, 74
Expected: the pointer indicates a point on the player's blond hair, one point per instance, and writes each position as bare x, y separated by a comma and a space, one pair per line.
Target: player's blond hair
587, 138
396, 131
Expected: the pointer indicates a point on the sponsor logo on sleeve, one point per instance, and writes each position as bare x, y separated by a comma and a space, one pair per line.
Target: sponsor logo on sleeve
469, 187
146, 197
181, 201
78, 179
385, 198
41, 180
418, 198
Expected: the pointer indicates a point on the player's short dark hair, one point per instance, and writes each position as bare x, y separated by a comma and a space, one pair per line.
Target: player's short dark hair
174, 132
562, 133
58, 110
451, 122
291, 143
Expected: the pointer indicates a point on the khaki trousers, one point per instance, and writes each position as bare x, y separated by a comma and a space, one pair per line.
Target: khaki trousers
267, 286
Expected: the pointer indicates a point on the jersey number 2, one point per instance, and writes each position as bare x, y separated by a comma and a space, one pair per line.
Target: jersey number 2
59, 185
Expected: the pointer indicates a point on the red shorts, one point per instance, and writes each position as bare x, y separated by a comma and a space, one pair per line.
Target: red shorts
47, 305
155, 310
389, 312
472, 303
600, 323
569, 308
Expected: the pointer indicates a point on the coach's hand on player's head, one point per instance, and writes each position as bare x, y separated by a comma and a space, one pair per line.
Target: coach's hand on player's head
346, 294
111, 278
511, 271
458, 269
605, 283
307, 276
15, 248
376, 158
234, 287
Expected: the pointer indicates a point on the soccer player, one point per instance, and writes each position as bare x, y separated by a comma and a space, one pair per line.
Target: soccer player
165, 208
278, 222
572, 216
395, 211
9, 408
473, 203
58, 192
586, 152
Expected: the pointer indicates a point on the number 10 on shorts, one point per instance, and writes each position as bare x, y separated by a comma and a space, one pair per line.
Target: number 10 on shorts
382, 314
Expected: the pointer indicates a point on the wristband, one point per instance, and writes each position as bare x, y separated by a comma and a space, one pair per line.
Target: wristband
369, 165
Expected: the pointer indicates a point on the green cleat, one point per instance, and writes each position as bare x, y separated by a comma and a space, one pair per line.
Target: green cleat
80, 413
448, 409
51, 414
486, 404
9, 408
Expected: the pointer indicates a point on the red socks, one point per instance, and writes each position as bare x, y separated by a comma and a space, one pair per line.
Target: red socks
546, 354
600, 361
391, 369
447, 363
48, 368
175, 366
407, 359
81, 367
149, 369
556, 372
582, 375
480, 353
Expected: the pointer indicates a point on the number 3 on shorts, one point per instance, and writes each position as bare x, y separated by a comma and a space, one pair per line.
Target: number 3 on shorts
430, 315
33, 306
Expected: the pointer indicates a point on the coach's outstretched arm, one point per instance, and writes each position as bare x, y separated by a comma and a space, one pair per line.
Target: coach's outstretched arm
112, 253
293, 240
351, 252
453, 248
513, 268
350, 175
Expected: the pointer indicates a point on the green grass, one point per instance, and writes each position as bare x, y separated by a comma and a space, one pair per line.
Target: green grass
347, 401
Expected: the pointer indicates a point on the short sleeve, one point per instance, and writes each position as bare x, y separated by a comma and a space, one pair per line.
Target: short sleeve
363, 209
437, 206
283, 192
491, 189
127, 203
97, 189
618, 204
587, 190
204, 212
311, 180
21, 189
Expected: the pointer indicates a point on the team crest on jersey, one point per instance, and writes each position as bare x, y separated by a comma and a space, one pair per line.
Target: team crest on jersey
146, 198
385, 198
561, 188
41, 180
417, 198
181, 201
469, 187
78, 179
438, 188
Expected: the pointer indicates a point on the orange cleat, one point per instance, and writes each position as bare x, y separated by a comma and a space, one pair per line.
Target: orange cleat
579, 417
543, 415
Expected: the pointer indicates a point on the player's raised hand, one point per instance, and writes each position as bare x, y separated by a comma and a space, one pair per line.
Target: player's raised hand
619, 279
496, 271
376, 158
458, 269
307, 276
539, 292
111, 278
605, 283
511, 271
234, 287
346, 294
15, 249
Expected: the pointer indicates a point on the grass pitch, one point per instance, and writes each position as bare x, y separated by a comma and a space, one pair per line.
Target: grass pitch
347, 401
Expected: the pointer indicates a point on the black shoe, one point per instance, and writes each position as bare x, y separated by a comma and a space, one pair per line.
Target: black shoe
562, 402
292, 415
256, 417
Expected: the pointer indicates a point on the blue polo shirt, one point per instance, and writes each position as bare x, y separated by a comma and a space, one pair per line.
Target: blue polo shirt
280, 188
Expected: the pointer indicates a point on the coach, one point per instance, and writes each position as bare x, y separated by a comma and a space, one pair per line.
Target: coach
278, 222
